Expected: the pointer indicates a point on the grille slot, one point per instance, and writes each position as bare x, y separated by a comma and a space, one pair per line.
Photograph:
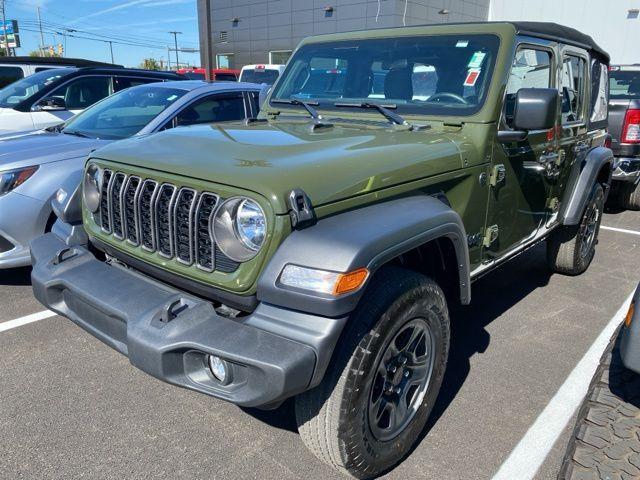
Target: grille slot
183, 217
205, 256
116, 204
163, 218
130, 206
145, 214
105, 220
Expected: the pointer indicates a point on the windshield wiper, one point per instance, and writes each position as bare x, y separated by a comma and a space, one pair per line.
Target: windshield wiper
384, 110
317, 118
76, 133
307, 105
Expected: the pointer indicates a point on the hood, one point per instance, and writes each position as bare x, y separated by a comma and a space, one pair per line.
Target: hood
271, 159
42, 147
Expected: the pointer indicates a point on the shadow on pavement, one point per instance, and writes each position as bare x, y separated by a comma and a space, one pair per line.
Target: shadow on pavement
16, 276
492, 295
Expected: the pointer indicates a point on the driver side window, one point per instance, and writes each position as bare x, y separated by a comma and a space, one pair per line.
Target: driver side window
83, 92
531, 68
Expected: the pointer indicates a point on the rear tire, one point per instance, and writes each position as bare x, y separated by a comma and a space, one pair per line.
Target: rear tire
628, 195
349, 421
571, 249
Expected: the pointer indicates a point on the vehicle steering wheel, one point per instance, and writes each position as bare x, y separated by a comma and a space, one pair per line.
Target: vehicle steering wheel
453, 96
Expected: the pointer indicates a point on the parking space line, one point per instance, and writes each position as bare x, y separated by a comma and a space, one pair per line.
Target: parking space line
621, 230
532, 450
18, 322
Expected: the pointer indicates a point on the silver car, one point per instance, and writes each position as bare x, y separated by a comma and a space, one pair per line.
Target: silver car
33, 167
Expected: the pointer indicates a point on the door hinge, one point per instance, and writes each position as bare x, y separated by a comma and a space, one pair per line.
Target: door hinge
490, 235
498, 172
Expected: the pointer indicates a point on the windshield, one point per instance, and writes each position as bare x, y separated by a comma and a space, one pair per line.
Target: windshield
444, 74
123, 114
259, 75
624, 84
21, 90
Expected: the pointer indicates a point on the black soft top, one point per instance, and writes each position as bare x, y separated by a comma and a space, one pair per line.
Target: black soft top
553, 31
58, 61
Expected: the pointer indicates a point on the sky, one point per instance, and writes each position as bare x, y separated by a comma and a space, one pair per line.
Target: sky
145, 23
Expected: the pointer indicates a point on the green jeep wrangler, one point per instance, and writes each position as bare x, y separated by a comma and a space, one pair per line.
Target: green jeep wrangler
314, 251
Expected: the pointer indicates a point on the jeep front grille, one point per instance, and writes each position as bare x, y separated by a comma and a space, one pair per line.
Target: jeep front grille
162, 218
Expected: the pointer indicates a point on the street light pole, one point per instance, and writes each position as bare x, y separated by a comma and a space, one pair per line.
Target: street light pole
175, 41
4, 31
41, 34
208, 42
111, 48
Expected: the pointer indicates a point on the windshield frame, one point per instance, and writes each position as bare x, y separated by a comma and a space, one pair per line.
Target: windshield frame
65, 72
96, 109
438, 110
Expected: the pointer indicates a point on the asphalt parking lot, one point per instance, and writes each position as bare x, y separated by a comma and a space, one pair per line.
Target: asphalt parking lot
71, 407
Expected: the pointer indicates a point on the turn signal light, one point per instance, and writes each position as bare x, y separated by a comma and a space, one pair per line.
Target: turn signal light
348, 282
629, 317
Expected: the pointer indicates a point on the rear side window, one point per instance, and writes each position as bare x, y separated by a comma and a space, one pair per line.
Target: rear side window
9, 75
531, 68
573, 88
217, 108
599, 92
120, 83
624, 84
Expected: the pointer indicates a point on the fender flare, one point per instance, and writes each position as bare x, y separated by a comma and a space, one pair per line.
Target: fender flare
583, 175
366, 237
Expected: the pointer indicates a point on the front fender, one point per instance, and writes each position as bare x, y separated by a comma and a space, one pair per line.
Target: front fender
366, 237
583, 176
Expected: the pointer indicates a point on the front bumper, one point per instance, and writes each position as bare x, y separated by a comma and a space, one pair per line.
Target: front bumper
22, 218
626, 169
273, 353
630, 341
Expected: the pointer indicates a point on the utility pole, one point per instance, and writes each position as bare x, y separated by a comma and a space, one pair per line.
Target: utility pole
169, 58
111, 48
208, 41
67, 31
4, 31
41, 34
175, 41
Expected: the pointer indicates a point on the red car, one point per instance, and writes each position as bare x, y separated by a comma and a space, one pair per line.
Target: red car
217, 74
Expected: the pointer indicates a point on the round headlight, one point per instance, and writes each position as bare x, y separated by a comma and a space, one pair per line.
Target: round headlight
239, 227
91, 187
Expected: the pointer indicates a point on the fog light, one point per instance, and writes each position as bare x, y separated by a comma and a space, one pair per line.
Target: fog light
218, 368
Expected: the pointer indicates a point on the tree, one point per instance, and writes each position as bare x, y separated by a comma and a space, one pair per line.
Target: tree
150, 64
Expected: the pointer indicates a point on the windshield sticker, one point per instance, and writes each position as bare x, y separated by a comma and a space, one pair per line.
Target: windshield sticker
472, 77
476, 60
462, 44
172, 98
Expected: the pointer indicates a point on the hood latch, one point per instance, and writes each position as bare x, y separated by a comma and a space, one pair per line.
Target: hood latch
301, 212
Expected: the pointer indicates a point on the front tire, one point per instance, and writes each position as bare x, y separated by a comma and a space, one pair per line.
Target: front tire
377, 395
571, 249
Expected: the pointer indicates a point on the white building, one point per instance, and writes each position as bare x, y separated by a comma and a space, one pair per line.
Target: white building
613, 24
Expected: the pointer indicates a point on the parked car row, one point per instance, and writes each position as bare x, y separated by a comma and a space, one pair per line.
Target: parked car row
314, 250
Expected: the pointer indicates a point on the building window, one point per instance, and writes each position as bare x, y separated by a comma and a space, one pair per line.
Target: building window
224, 60
224, 36
279, 57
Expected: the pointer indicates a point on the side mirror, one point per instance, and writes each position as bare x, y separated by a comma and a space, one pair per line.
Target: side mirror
535, 109
51, 104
